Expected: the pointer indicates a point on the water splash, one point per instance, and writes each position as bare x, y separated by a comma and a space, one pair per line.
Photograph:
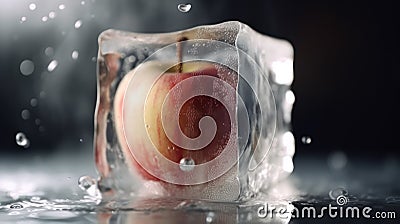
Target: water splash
335, 193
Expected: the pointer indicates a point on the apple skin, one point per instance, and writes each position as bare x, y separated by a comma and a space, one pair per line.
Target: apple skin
189, 116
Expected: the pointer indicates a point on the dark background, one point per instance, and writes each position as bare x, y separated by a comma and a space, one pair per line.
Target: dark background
346, 67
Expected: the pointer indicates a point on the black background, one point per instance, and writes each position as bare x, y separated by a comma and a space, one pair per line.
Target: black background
346, 67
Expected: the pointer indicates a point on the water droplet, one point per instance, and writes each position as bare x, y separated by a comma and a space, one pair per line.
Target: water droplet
94, 59
184, 7
42, 129
306, 140
186, 164
27, 67
32, 6
333, 194
25, 114
42, 94
52, 15
61, 7
45, 18
52, 65
82, 2
34, 102
210, 217
85, 182
78, 24
22, 140
49, 51
81, 140
75, 55
16, 206
37, 121
23, 19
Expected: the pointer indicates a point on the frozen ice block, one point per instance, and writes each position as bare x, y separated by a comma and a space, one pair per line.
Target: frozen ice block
202, 113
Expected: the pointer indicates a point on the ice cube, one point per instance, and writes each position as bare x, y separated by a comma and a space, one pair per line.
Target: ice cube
212, 96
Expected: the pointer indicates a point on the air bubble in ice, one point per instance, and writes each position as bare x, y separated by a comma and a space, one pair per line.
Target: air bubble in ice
184, 7
22, 140
75, 55
333, 194
25, 114
61, 7
16, 206
85, 182
34, 102
32, 6
52, 65
78, 24
306, 140
27, 67
186, 164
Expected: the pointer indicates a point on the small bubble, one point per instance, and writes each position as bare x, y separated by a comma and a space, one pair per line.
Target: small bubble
186, 164
45, 18
147, 126
52, 15
75, 55
25, 114
85, 182
22, 140
34, 102
37, 121
32, 6
306, 140
333, 194
78, 24
49, 51
27, 67
16, 206
184, 7
52, 65
61, 7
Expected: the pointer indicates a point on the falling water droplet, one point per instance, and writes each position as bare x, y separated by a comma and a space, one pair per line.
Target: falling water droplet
25, 114
16, 206
337, 160
27, 67
85, 182
37, 121
78, 24
52, 65
210, 217
80, 140
52, 15
23, 19
306, 140
61, 7
184, 7
333, 194
45, 18
32, 6
22, 140
186, 164
75, 55
34, 102
82, 2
